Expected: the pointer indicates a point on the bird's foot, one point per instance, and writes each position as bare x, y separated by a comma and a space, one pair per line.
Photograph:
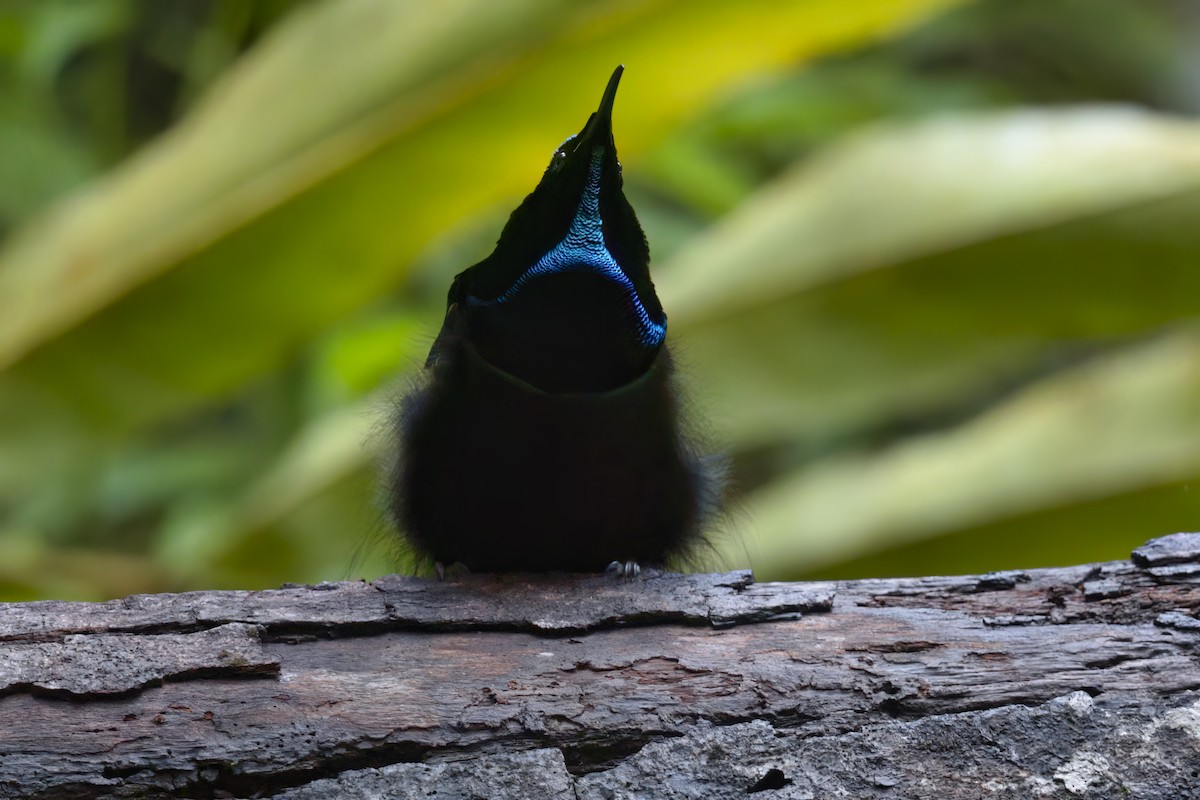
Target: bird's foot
624, 569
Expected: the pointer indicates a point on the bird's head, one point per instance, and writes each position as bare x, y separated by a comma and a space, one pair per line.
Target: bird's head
565, 302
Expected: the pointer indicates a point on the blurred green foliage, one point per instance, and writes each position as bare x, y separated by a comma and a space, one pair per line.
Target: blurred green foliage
937, 294
85, 84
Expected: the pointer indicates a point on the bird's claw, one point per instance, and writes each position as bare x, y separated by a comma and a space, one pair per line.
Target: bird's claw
624, 569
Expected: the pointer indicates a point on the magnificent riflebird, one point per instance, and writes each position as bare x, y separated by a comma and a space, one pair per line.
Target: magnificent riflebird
547, 434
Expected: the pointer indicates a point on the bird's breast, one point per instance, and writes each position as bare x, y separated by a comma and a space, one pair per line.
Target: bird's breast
573, 330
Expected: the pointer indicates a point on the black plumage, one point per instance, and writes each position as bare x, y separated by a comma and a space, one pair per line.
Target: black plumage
547, 435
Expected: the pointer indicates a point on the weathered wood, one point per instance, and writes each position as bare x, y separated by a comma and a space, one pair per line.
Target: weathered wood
107, 664
1068, 683
564, 604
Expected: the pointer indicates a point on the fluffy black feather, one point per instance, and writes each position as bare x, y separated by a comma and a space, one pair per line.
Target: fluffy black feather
548, 435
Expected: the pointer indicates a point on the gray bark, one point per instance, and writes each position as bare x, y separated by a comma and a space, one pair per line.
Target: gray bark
1080, 682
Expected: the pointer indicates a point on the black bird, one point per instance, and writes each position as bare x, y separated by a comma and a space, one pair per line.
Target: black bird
548, 434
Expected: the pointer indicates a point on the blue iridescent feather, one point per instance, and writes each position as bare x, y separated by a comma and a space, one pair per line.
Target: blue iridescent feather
583, 248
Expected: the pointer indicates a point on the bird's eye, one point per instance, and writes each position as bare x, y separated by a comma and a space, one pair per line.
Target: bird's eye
557, 160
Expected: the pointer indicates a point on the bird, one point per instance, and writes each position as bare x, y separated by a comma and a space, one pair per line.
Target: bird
547, 432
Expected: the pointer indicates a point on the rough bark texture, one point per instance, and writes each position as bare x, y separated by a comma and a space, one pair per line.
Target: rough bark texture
1081, 682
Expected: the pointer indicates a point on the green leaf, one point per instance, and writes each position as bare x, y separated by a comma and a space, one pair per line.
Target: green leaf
1104, 528
912, 271
310, 177
897, 193
1124, 422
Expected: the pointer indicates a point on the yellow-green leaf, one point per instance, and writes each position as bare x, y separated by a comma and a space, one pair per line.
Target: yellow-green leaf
310, 177
1126, 421
914, 269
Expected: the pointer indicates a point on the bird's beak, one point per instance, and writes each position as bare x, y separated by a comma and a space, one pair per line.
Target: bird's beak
599, 128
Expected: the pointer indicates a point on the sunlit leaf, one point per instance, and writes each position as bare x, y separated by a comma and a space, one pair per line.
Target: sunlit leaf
1120, 423
1105, 528
309, 178
913, 271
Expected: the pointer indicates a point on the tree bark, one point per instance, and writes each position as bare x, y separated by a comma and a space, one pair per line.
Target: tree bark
1081, 682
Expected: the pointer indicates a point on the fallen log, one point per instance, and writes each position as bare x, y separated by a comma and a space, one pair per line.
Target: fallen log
1079, 682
